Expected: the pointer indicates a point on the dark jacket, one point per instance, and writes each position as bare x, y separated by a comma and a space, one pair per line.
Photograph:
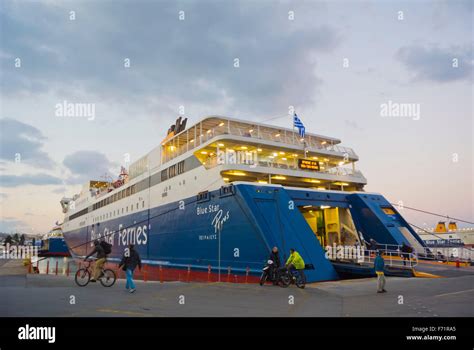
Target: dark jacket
276, 258
131, 261
100, 252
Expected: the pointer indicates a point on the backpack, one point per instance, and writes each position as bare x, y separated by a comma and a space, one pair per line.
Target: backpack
107, 247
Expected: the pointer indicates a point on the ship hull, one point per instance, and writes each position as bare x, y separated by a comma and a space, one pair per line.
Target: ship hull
227, 234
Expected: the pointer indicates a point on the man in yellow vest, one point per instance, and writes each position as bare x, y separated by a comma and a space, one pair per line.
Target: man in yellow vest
296, 262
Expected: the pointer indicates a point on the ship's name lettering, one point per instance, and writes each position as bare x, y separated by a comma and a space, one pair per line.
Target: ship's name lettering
211, 208
128, 235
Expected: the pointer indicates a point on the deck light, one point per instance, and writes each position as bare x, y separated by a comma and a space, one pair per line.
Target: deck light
221, 145
262, 182
277, 135
314, 181
221, 124
279, 177
251, 131
244, 147
323, 143
259, 150
203, 152
275, 154
192, 140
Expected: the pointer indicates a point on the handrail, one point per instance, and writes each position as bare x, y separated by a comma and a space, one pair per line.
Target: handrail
410, 262
211, 162
291, 138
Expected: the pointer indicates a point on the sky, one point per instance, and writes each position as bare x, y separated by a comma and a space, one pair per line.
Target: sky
139, 62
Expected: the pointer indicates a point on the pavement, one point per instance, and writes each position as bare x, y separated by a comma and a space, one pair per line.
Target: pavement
29, 295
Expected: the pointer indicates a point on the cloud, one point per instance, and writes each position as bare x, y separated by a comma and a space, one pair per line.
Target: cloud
87, 165
24, 140
12, 225
436, 64
173, 62
35, 179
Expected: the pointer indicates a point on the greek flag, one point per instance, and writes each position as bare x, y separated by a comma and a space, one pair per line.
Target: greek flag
297, 123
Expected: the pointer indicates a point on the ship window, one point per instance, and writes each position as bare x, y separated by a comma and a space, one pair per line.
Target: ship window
137, 205
181, 167
164, 175
126, 209
122, 210
143, 204
388, 210
133, 189
128, 192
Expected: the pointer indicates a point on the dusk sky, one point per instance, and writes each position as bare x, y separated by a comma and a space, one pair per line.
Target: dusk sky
337, 62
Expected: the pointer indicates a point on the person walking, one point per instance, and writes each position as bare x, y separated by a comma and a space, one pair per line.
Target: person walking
130, 260
379, 265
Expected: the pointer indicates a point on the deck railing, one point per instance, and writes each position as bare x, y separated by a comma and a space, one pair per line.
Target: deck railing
193, 138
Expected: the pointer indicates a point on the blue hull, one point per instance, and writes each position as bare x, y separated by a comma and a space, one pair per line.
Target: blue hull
237, 228
54, 246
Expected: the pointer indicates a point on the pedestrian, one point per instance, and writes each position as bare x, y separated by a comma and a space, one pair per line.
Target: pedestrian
379, 265
130, 260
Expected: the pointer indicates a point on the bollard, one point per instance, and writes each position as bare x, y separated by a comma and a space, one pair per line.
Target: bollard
29, 267
457, 263
56, 268
67, 269
161, 274
47, 267
228, 274
247, 270
208, 273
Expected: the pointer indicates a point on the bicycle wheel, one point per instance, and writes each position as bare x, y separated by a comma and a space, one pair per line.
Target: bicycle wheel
300, 282
82, 277
284, 280
108, 279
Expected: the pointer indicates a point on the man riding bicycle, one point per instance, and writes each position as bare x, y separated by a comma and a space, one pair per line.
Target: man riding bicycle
101, 257
296, 262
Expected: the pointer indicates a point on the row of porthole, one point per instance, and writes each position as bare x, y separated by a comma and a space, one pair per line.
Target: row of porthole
117, 212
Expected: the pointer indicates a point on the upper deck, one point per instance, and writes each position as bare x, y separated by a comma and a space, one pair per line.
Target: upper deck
219, 127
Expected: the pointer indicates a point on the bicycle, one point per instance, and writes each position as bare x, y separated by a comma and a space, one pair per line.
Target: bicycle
83, 276
292, 276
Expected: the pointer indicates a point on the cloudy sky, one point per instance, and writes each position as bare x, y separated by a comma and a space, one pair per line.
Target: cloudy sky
337, 62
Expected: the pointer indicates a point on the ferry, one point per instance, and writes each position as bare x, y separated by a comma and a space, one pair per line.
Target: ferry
53, 243
449, 242
212, 199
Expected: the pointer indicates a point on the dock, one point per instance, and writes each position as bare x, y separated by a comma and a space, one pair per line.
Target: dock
34, 295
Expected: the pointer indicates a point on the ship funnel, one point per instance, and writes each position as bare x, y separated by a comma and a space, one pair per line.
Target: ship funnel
441, 227
452, 226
